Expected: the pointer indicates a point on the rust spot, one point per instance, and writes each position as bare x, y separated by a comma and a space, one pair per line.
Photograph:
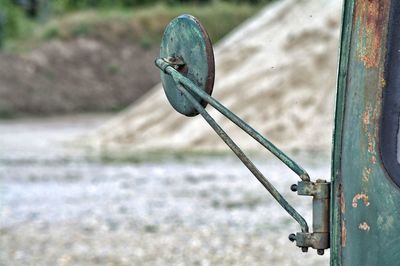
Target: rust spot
383, 83
371, 15
364, 226
371, 143
366, 118
343, 234
358, 197
366, 173
342, 203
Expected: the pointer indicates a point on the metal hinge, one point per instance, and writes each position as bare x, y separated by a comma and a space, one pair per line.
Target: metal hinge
319, 238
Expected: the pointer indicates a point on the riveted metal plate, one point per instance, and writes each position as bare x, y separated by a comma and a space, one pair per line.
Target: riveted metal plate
186, 39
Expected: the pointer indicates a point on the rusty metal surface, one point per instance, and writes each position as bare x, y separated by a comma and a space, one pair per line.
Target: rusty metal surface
365, 201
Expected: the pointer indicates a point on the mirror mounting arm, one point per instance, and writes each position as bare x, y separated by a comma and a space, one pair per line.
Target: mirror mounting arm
183, 83
187, 74
319, 190
188, 84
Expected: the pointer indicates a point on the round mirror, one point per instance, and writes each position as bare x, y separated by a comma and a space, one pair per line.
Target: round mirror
186, 42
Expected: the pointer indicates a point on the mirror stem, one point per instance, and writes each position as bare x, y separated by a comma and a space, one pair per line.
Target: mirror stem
246, 161
188, 84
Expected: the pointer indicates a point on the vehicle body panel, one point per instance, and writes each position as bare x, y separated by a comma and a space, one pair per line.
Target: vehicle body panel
365, 200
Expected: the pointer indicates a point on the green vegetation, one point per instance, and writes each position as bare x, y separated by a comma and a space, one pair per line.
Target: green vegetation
147, 23
13, 22
84, 4
144, 24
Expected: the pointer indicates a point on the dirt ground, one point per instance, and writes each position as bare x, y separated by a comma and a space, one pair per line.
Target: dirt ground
82, 74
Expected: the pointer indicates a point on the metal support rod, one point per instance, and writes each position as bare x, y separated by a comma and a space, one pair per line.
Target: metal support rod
246, 161
187, 83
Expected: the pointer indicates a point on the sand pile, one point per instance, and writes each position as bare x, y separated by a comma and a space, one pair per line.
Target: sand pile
277, 71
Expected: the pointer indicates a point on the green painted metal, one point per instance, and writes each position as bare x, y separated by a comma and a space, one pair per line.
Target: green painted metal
365, 226
185, 39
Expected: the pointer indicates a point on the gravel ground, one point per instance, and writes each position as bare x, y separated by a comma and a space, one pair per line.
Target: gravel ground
58, 208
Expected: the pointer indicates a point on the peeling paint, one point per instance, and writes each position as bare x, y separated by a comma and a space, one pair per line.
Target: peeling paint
342, 203
343, 209
344, 234
363, 79
358, 197
364, 226
366, 119
366, 173
370, 16
371, 143
383, 83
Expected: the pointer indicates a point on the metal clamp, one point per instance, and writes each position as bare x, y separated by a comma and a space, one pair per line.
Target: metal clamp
319, 238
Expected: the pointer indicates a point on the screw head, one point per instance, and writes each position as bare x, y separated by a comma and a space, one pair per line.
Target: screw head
293, 187
320, 252
292, 237
304, 249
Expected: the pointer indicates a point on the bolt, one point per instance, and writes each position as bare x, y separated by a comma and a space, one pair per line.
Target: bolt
320, 252
176, 62
304, 249
293, 187
292, 237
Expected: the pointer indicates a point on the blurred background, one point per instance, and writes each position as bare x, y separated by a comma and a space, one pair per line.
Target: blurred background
96, 168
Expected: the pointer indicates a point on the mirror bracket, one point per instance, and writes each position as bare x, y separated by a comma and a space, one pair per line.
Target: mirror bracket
319, 238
